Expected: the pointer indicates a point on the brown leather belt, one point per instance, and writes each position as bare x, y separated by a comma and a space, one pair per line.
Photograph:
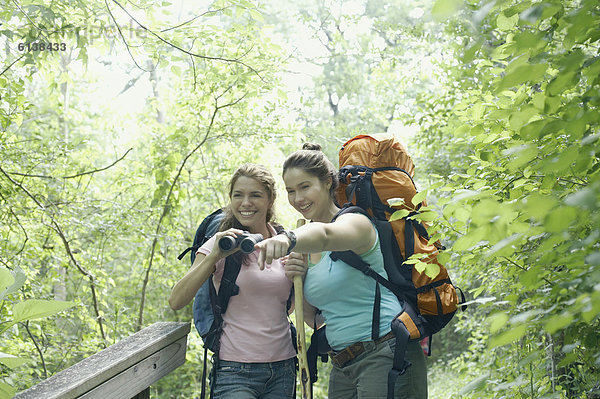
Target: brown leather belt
342, 357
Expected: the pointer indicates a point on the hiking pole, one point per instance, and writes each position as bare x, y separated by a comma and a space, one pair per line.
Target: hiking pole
305, 385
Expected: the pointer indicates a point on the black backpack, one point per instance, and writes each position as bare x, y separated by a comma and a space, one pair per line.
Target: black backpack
209, 306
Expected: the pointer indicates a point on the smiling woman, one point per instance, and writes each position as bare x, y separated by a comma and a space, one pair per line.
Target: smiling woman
254, 353
342, 294
251, 204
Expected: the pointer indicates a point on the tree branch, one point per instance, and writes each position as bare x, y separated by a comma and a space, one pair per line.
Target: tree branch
166, 206
99, 170
73, 176
234, 60
37, 347
524, 268
13, 63
27, 16
20, 225
59, 231
123, 37
195, 18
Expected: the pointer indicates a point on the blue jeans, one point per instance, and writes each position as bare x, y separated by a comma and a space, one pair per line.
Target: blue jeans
275, 380
365, 377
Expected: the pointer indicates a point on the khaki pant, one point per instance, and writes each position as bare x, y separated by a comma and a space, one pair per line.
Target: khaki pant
365, 377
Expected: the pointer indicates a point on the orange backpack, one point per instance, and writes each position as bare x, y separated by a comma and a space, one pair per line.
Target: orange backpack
375, 169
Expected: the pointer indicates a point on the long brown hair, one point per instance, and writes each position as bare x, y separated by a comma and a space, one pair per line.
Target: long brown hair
311, 159
265, 178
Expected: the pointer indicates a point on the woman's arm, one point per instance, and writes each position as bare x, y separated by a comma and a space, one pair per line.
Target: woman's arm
350, 231
309, 314
204, 265
186, 288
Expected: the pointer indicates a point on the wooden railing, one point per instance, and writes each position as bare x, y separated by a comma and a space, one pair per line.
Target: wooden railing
123, 370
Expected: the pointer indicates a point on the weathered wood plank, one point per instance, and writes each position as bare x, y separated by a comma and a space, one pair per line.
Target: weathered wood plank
103, 366
136, 378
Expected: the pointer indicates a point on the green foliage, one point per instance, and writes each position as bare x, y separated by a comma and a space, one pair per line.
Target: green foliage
13, 311
97, 199
521, 201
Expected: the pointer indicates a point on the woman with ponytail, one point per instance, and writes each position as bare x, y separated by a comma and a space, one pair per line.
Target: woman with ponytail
344, 295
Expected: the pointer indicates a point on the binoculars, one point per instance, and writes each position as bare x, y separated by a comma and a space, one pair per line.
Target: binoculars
246, 242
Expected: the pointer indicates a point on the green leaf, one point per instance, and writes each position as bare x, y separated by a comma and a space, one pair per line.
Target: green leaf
37, 308
537, 205
475, 384
522, 155
497, 321
6, 280
531, 278
18, 119
558, 322
432, 270
584, 198
443, 9
418, 198
561, 161
6, 391
469, 53
508, 336
420, 266
399, 214
11, 361
256, 15
522, 74
176, 70
568, 359
468, 240
552, 104
533, 130
561, 82
415, 258
522, 117
538, 101
443, 257
427, 216
560, 219
506, 23
503, 247
18, 279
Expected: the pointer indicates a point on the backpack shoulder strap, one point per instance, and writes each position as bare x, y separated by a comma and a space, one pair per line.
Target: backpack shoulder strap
355, 261
351, 209
201, 234
219, 302
228, 287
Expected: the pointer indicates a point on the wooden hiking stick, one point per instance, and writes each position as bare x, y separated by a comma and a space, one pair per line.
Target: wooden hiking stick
305, 384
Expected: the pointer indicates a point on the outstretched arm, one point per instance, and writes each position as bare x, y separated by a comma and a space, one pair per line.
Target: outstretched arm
350, 231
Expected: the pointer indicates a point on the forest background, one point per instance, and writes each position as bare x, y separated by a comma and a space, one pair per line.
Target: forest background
121, 122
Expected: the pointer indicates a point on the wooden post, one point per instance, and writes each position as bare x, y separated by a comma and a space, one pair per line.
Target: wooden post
305, 384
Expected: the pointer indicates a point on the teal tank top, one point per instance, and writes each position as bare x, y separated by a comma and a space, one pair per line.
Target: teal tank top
346, 297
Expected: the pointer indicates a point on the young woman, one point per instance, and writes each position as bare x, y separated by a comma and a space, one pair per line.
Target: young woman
256, 356
344, 295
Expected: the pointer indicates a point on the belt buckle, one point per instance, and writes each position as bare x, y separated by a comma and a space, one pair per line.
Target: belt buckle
350, 352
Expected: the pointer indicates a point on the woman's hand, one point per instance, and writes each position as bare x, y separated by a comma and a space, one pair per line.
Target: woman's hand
272, 248
295, 265
220, 254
